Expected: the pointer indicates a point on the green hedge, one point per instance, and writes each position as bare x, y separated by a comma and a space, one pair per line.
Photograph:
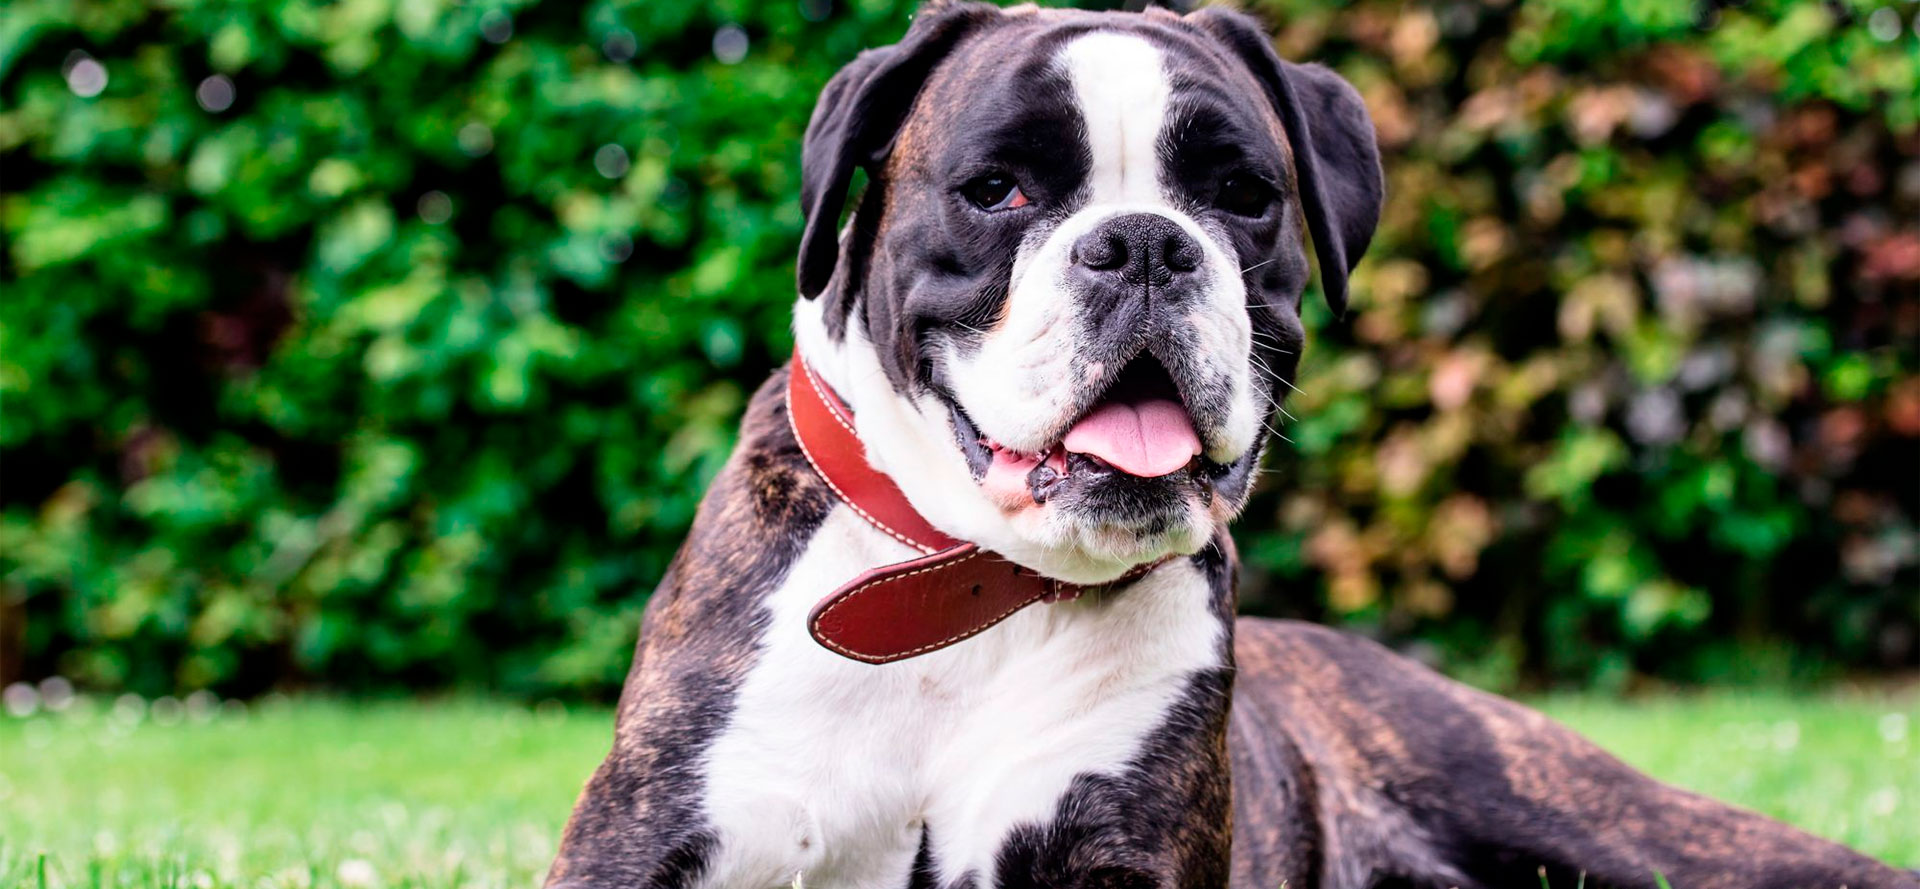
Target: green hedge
378, 344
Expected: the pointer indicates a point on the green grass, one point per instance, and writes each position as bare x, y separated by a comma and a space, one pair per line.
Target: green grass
307, 793
316, 793
1845, 767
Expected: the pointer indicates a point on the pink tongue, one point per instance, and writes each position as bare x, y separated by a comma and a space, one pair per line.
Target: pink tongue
1148, 439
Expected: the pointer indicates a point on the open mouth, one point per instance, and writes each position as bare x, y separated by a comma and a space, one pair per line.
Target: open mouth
1138, 429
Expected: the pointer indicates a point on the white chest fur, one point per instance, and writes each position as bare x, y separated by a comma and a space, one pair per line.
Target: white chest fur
829, 768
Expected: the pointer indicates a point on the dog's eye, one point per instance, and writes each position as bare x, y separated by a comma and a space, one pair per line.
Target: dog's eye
1244, 194
994, 191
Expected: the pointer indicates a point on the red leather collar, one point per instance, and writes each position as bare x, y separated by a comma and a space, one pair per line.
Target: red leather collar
952, 591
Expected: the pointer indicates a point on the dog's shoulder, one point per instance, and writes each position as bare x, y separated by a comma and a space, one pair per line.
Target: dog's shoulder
758, 513
754, 522
638, 822
767, 483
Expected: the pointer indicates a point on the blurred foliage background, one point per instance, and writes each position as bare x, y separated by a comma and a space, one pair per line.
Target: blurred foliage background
373, 344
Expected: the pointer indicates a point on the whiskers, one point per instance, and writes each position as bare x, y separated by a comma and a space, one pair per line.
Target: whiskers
1267, 373
1259, 264
1270, 341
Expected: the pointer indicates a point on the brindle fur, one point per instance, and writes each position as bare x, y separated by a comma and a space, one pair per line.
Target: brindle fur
1405, 778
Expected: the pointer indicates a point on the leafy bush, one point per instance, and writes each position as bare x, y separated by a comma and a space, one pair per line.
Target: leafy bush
1632, 387
385, 344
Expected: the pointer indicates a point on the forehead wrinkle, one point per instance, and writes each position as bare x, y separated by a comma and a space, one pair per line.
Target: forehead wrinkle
975, 72
1241, 89
1208, 72
1121, 87
938, 101
1209, 119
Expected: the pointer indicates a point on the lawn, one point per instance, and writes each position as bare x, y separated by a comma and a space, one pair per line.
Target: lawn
318, 793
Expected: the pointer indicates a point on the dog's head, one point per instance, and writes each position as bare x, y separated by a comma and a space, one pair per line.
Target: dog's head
1066, 306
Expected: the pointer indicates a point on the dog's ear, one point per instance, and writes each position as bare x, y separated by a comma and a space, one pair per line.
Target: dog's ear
1335, 157
855, 121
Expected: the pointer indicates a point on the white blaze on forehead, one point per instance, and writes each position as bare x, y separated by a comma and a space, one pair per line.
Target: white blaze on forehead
1120, 83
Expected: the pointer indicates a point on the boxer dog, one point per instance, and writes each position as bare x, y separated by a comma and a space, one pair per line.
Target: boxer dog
958, 613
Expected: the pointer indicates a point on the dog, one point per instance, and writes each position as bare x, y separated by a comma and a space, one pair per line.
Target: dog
958, 612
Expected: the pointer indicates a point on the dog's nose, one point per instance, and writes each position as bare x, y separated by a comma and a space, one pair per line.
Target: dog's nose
1138, 247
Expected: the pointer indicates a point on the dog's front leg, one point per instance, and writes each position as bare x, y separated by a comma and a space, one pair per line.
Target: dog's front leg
637, 824
1165, 821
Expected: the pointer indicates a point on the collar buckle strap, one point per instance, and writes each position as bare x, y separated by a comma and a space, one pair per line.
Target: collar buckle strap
953, 591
